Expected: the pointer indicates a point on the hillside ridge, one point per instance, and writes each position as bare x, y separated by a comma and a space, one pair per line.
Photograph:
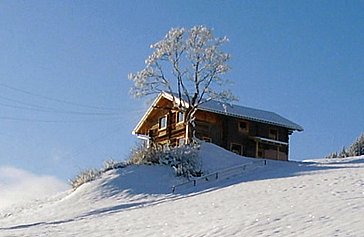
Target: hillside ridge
311, 198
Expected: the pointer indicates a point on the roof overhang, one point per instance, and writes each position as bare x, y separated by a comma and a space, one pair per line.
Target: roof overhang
146, 114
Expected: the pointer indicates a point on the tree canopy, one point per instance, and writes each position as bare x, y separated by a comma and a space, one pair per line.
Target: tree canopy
189, 64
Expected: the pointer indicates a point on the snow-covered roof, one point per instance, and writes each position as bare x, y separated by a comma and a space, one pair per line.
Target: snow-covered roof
232, 110
243, 112
247, 113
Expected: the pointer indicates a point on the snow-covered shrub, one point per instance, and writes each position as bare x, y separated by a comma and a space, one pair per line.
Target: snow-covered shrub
112, 164
92, 174
143, 154
184, 159
85, 177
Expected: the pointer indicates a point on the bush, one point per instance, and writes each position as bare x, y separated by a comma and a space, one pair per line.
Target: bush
142, 154
184, 159
85, 177
112, 165
92, 174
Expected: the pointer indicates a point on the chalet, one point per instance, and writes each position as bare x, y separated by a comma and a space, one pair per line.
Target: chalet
245, 131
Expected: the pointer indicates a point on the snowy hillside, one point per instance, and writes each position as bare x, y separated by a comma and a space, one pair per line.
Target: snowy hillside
316, 198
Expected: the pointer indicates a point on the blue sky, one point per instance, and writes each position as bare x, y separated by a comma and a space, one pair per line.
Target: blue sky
64, 102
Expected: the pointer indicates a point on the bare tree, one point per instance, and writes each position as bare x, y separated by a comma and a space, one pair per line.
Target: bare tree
189, 65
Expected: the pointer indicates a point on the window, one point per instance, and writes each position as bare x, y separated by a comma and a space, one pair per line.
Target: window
243, 126
163, 122
180, 117
236, 148
273, 134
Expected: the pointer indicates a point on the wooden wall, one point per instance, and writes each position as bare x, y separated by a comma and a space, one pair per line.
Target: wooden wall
224, 131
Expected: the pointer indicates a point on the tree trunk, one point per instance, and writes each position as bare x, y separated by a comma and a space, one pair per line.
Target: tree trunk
190, 125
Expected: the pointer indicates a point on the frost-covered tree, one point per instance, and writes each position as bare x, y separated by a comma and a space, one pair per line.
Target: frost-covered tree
355, 149
189, 65
343, 153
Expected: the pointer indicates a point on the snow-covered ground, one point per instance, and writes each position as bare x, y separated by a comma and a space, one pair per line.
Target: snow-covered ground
315, 198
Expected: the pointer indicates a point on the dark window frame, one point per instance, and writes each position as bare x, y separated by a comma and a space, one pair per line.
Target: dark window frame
273, 133
244, 129
178, 114
163, 125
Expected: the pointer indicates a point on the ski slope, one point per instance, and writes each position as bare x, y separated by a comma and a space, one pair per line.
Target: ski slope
313, 198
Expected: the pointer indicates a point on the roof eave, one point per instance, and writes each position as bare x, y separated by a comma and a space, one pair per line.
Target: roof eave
146, 114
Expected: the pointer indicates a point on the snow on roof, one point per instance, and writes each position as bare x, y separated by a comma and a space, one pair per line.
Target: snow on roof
232, 110
249, 114
243, 112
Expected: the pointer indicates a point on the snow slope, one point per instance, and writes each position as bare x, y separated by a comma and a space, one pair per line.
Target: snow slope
316, 198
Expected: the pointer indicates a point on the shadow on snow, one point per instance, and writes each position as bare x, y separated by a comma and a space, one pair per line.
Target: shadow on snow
144, 186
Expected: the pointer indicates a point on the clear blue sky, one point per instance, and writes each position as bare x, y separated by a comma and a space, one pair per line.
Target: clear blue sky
301, 59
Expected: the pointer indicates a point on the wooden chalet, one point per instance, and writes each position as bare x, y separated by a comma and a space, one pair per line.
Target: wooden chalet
245, 131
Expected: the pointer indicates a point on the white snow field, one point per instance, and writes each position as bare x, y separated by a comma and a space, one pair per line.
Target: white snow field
316, 198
